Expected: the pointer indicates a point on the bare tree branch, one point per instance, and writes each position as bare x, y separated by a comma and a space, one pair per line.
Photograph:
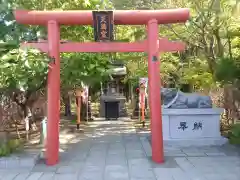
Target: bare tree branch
182, 38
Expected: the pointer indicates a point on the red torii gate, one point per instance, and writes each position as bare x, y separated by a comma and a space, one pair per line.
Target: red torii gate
153, 46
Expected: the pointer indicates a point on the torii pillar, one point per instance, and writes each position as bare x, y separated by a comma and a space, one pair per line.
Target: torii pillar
153, 46
53, 94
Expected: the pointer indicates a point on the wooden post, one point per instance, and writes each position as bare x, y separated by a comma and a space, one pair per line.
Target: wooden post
79, 102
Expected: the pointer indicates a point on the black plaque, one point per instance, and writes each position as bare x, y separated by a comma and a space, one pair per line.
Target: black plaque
154, 58
103, 25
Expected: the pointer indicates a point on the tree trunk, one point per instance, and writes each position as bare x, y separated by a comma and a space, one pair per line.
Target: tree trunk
28, 118
4, 135
230, 103
67, 105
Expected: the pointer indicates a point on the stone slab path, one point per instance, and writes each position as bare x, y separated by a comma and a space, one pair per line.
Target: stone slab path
115, 150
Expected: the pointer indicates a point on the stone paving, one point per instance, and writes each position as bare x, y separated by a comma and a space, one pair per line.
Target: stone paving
117, 151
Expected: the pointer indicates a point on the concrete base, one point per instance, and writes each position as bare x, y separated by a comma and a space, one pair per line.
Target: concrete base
193, 126
199, 142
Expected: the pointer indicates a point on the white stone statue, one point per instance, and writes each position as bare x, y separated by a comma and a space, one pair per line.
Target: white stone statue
175, 99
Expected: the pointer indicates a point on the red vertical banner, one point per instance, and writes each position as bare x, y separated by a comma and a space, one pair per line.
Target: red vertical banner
142, 92
143, 84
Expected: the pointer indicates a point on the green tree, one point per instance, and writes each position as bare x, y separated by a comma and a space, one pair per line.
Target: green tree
208, 35
75, 68
23, 73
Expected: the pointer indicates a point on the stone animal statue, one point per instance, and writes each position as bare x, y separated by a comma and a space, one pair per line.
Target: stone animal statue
175, 99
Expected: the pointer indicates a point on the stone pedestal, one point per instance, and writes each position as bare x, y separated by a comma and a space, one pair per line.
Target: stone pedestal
113, 98
192, 126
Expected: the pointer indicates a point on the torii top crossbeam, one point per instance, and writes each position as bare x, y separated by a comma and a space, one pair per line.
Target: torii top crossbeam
126, 17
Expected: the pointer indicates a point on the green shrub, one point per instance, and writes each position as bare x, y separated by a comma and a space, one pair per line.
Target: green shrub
227, 70
234, 134
14, 144
4, 150
9, 147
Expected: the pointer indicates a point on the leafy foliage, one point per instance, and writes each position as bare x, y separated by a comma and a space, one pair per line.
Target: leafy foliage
228, 70
83, 68
212, 33
23, 70
75, 68
9, 147
234, 134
